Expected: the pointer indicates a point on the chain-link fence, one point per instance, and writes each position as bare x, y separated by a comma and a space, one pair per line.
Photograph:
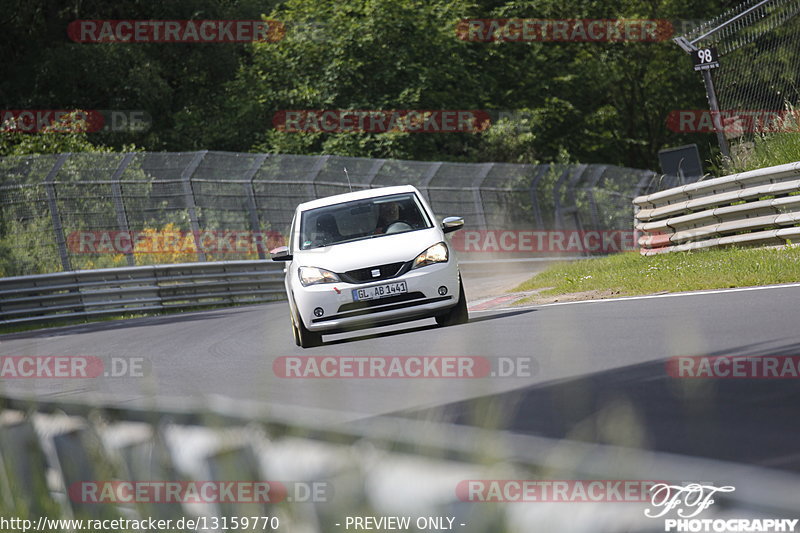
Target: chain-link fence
757, 81
95, 210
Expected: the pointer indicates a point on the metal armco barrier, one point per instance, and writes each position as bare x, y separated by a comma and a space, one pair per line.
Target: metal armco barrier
58, 455
755, 208
91, 293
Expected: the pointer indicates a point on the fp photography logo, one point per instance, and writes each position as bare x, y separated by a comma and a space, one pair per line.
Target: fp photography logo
688, 501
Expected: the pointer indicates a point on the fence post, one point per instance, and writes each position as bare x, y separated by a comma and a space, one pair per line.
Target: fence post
536, 209
119, 204
645, 181
558, 221
711, 94
426, 181
715, 114
58, 229
252, 207
191, 207
377, 165
597, 173
319, 164
573, 209
476, 194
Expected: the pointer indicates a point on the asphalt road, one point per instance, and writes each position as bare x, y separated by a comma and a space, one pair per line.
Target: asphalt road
597, 369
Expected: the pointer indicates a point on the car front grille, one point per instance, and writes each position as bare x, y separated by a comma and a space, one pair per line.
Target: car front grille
380, 309
351, 306
387, 271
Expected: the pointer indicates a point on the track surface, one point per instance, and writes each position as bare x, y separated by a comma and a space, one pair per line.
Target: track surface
599, 371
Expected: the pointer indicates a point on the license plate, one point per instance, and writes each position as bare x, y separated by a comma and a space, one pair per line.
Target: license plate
379, 291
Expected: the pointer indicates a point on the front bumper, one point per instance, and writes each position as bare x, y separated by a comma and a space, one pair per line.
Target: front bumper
341, 313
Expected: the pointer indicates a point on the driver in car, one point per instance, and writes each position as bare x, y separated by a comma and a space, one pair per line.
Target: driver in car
388, 214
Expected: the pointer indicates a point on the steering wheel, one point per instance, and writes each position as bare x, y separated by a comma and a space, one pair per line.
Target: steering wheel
397, 227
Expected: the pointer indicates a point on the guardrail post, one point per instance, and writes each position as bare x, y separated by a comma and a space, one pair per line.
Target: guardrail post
58, 229
186, 178
80, 457
24, 465
119, 204
236, 464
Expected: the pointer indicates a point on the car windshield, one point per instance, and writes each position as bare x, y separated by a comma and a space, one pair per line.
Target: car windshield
361, 219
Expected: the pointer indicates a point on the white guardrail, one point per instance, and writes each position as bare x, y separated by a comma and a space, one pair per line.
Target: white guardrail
90, 293
755, 208
57, 455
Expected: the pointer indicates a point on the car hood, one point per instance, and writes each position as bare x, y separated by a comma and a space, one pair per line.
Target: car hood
369, 252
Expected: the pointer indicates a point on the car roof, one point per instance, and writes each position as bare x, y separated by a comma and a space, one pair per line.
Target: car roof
358, 195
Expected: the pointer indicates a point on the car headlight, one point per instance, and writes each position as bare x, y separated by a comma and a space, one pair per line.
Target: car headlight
435, 254
313, 275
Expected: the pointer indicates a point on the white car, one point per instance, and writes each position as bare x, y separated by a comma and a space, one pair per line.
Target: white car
369, 258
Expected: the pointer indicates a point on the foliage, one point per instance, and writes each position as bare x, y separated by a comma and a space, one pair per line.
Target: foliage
601, 102
68, 135
18, 255
768, 150
773, 148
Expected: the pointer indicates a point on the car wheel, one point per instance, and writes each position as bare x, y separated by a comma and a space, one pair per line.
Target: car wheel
304, 337
457, 314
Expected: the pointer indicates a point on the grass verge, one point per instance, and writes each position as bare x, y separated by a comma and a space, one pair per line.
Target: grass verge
768, 150
629, 273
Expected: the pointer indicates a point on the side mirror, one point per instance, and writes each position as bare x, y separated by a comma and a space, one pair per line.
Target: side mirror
452, 224
280, 254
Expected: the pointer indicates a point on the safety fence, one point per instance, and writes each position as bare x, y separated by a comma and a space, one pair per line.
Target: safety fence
754, 208
289, 471
53, 206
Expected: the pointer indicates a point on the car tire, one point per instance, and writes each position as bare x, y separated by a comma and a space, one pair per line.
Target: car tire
458, 314
304, 337
295, 333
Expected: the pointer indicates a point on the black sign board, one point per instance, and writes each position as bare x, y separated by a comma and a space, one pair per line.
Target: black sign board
705, 58
682, 162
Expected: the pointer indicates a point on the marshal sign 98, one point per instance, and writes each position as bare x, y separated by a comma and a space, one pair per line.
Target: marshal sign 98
705, 58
